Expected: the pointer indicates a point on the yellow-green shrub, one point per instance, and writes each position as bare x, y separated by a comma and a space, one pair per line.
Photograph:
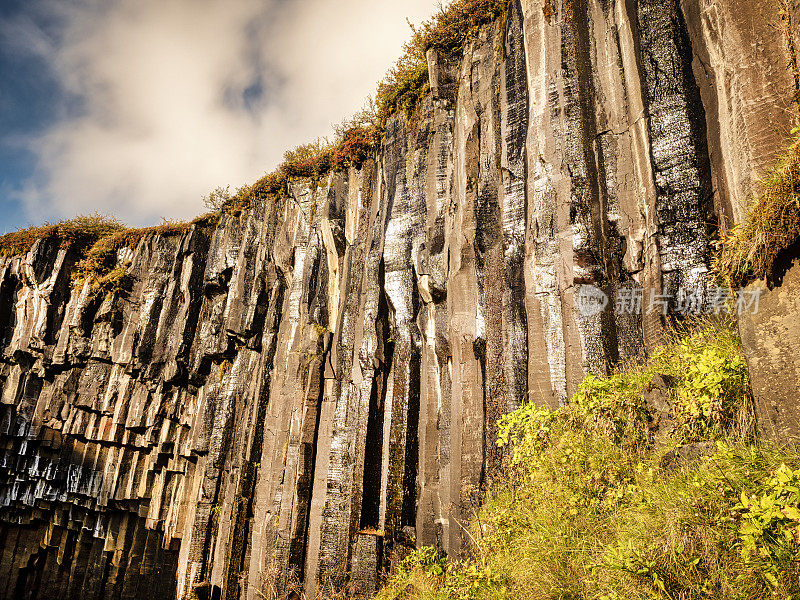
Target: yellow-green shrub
588, 509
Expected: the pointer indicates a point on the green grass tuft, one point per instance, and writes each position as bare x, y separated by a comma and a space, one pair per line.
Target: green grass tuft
749, 250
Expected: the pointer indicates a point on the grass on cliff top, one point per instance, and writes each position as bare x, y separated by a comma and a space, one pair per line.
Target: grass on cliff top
95, 240
749, 250
98, 263
406, 83
589, 507
76, 234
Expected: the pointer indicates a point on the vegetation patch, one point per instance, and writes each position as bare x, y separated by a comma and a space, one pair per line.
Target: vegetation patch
99, 262
749, 250
95, 240
112, 281
356, 141
704, 378
591, 506
76, 234
406, 83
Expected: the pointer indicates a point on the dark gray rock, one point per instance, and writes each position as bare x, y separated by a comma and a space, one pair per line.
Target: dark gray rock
683, 456
658, 399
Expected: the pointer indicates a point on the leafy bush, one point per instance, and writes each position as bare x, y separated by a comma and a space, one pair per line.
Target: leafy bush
712, 389
709, 396
427, 560
769, 523
355, 146
425, 573
592, 520
111, 282
404, 86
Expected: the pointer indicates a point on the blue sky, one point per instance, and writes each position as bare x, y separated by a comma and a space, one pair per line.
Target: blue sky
137, 108
29, 102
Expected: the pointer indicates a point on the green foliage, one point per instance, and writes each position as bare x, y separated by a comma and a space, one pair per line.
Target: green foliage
460, 20
712, 388
708, 396
404, 86
526, 430
749, 250
95, 241
427, 560
614, 404
425, 572
735, 532
308, 161
356, 144
769, 530
587, 510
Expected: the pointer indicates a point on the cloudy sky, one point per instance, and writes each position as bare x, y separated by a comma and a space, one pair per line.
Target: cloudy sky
138, 108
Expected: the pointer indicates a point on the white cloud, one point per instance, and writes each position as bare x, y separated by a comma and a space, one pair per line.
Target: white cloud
165, 115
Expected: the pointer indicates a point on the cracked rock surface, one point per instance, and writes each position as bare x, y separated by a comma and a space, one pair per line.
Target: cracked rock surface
306, 390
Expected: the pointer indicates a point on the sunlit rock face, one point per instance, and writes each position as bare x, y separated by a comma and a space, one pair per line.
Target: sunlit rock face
306, 390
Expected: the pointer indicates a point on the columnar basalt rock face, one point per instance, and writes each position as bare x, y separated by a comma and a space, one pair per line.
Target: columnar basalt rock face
771, 341
309, 388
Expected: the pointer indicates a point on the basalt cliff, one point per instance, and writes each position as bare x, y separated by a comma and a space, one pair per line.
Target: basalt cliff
310, 387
